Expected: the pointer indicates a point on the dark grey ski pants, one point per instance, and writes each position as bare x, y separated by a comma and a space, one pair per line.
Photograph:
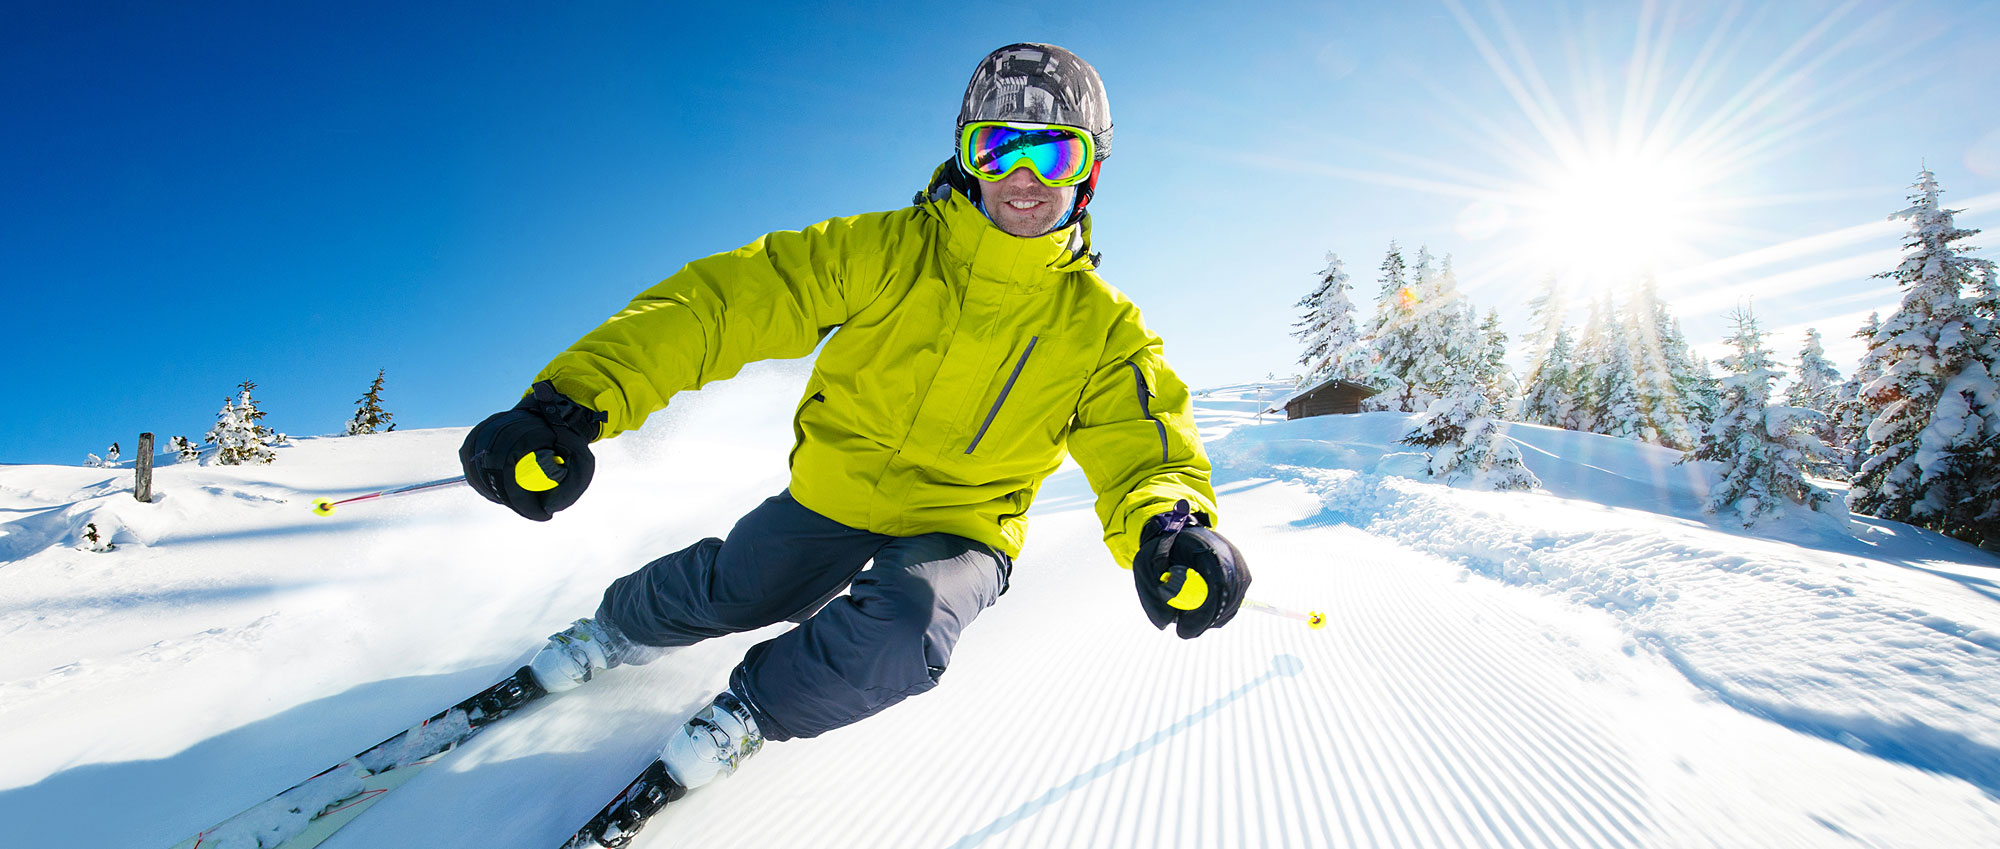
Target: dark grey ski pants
888, 639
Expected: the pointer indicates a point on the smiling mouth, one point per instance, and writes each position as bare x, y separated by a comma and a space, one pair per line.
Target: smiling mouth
1024, 204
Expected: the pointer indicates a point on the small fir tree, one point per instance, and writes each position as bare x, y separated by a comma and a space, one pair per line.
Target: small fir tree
92, 538
1816, 387
369, 417
1607, 384
1326, 326
1852, 414
1657, 353
1763, 449
185, 450
1593, 353
1467, 447
1550, 399
1394, 347
1937, 408
1498, 383
1702, 391
1546, 314
239, 434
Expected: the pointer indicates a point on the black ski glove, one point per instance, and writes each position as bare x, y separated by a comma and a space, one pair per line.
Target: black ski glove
1188, 574
535, 458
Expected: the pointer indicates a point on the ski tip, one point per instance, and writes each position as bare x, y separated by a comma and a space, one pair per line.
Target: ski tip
322, 507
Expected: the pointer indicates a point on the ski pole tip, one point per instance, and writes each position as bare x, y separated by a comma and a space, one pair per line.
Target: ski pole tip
322, 507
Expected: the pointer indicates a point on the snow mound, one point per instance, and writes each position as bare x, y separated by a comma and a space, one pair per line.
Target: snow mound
1910, 675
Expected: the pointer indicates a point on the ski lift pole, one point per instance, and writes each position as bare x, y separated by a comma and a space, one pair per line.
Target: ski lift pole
1313, 618
324, 507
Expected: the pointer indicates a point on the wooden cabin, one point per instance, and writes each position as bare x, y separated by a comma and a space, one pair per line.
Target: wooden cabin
1333, 397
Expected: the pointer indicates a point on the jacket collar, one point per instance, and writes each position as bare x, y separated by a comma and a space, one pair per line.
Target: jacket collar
972, 238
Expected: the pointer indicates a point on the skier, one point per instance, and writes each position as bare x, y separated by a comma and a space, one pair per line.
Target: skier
972, 343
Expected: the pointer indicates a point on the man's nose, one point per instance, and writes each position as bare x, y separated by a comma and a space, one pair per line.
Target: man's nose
1023, 176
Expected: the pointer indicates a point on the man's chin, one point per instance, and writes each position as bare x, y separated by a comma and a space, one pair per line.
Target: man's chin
1024, 228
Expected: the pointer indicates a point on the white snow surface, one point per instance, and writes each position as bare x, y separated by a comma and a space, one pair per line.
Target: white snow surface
1591, 664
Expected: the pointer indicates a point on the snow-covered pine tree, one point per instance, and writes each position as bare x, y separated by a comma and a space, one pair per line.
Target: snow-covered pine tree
1851, 411
1606, 389
1430, 349
1700, 389
185, 450
1459, 338
1547, 312
239, 435
1939, 409
93, 461
1326, 326
1586, 363
1392, 336
1617, 392
93, 538
1549, 399
1815, 385
1763, 449
1656, 353
1467, 446
369, 417
111, 455
1389, 287
1499, 383
1984, 523
1447, 338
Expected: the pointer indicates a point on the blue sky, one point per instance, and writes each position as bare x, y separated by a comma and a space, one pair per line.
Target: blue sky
300, 194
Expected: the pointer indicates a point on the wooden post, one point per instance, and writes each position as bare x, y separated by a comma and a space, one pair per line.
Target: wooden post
142, 471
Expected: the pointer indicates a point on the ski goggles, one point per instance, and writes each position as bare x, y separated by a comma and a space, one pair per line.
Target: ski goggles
1059, 156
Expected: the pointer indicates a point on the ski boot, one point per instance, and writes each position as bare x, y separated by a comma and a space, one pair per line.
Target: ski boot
708, 746
577, 653
713, 743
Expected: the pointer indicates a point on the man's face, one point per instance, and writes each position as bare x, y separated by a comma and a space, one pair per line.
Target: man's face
1021, 206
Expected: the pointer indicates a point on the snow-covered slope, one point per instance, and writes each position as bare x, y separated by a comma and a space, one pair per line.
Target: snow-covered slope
1591, 665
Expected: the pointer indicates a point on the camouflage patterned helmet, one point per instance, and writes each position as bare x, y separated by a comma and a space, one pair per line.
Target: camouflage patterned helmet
1042, 83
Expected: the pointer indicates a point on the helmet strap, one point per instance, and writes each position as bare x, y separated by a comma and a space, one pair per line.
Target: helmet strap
1084, 192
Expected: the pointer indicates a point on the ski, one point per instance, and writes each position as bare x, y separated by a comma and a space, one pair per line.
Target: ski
312, 810
628, 811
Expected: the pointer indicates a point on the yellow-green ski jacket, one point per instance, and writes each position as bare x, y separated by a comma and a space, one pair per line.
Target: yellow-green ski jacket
963, 362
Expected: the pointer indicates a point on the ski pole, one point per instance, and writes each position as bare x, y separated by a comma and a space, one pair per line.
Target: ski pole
1313, 618
1194, 591
323, 507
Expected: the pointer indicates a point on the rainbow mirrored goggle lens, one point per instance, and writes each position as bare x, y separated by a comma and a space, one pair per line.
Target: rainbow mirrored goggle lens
1060, 156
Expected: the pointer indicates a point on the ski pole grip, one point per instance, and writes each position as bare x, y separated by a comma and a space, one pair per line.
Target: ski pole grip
1194, 591
540, 471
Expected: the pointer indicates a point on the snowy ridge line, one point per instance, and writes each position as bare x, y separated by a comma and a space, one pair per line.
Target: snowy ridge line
1859, 687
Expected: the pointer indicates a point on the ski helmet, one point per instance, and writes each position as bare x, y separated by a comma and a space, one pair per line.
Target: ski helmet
1042, 83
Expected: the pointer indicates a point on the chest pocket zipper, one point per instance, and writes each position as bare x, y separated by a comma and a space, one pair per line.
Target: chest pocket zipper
1146, 409
995, 412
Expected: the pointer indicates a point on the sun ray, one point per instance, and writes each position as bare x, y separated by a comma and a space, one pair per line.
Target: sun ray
1546, 118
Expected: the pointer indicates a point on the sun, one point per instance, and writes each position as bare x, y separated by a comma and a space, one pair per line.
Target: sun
1613, 215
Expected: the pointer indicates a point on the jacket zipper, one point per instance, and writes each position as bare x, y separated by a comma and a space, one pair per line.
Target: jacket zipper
1146, 409
991, 414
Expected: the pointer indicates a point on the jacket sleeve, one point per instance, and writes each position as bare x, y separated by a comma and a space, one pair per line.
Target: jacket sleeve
1135, 439
774, 298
